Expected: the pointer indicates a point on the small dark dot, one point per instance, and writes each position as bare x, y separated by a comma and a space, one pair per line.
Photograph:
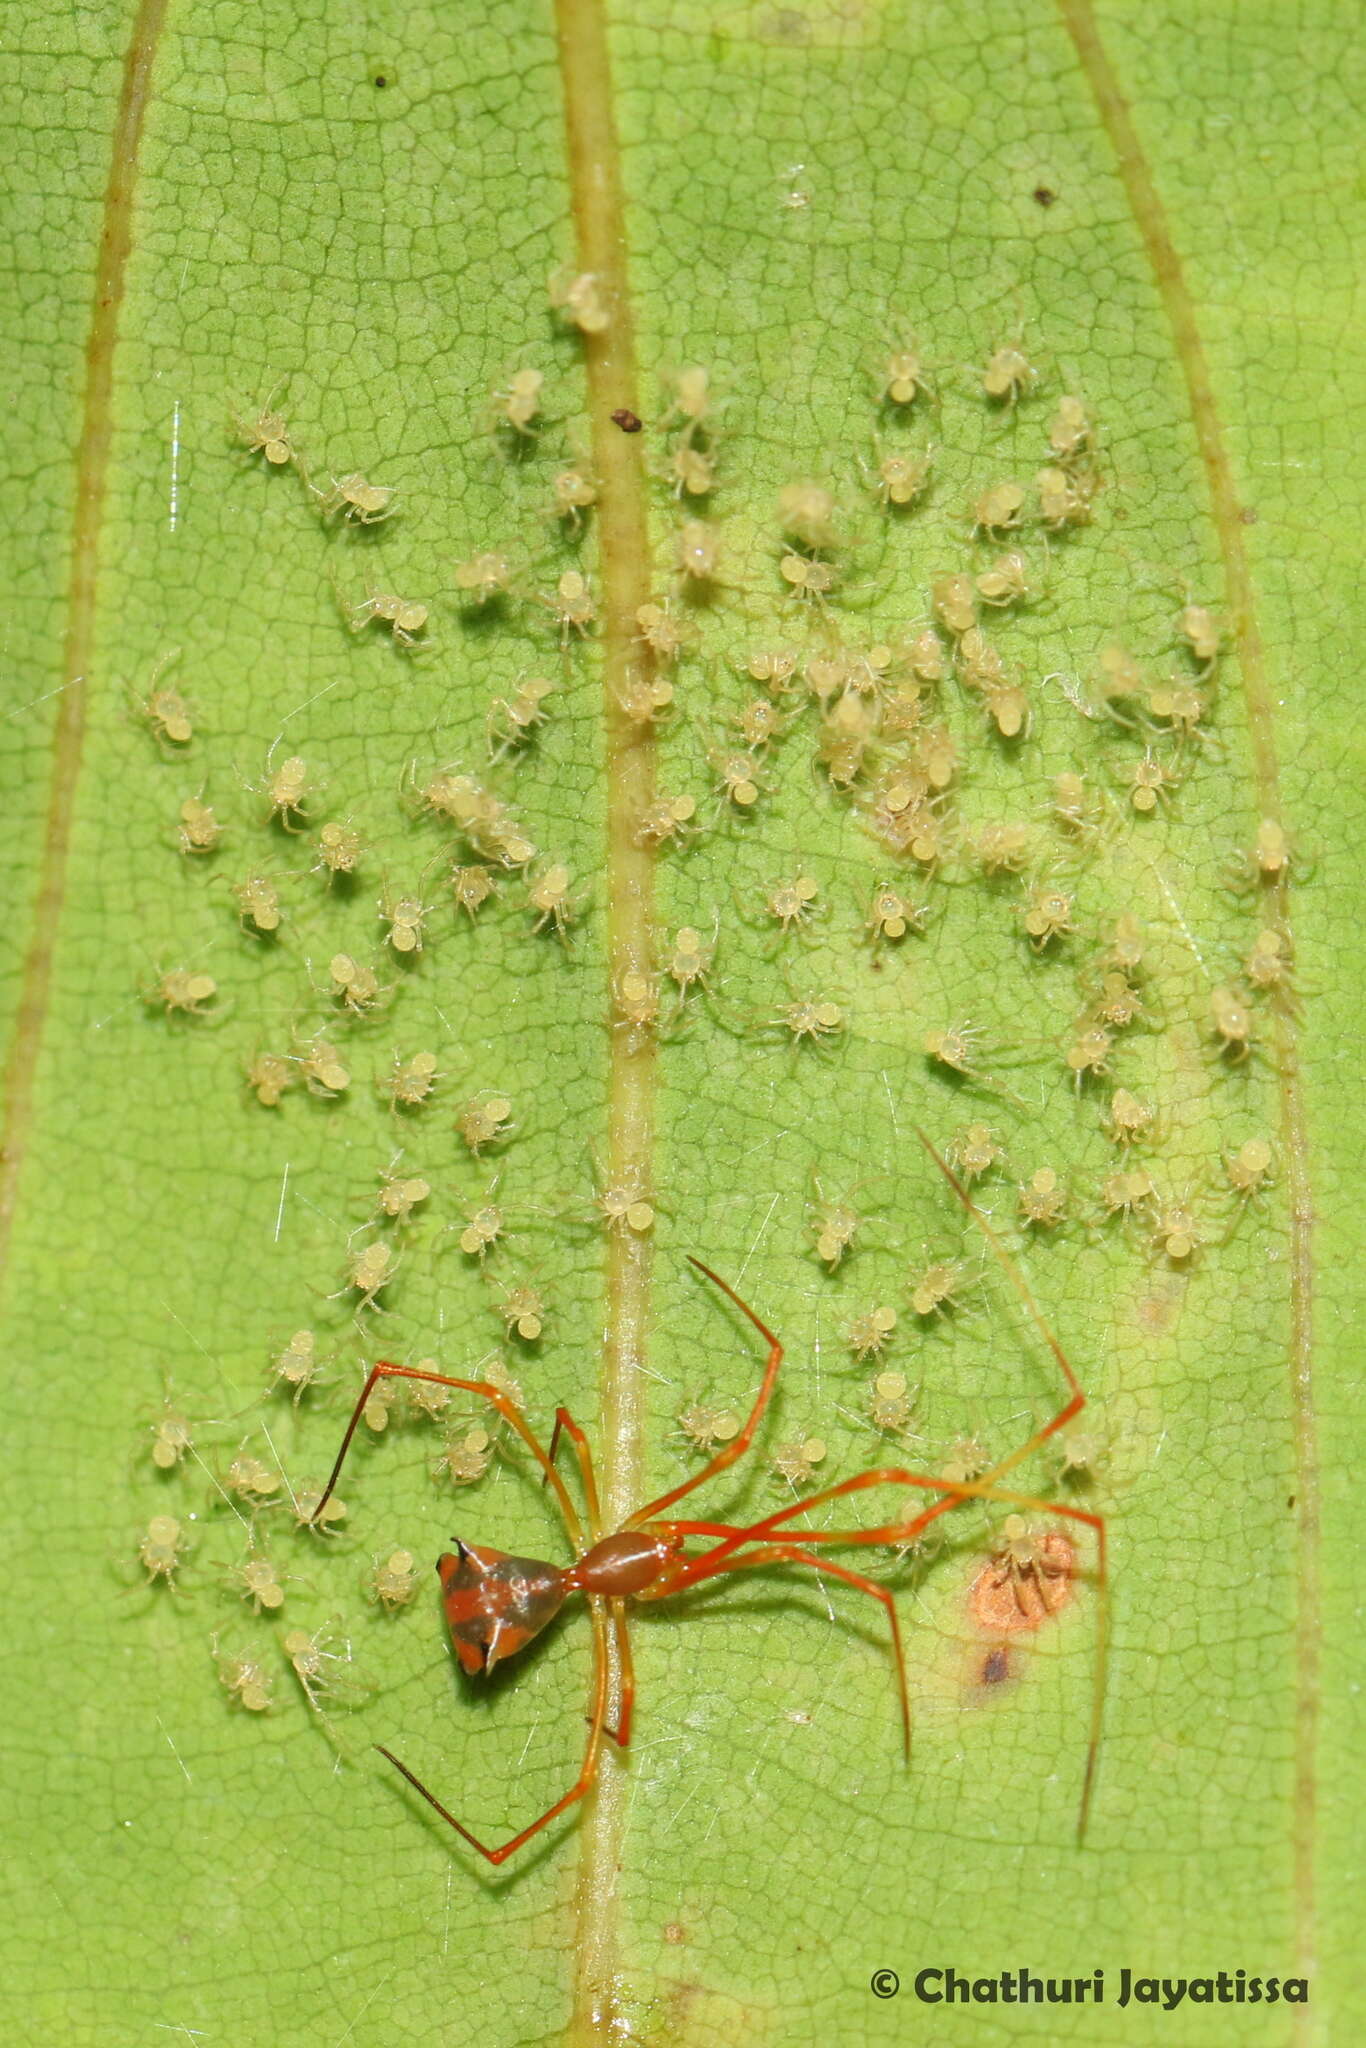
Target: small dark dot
1290, 1502
995, 1667
1248, 515
1043, 195
380, 80
629, 422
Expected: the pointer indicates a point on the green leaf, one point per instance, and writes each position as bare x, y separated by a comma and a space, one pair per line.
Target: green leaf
352, 218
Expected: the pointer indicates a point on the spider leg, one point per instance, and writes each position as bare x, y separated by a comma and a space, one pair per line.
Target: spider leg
738, 1445
565, 1423
794, 1553
496, 1398
621, 1734
587, 1770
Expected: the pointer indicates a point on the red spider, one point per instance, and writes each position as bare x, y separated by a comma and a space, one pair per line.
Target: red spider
496, 1603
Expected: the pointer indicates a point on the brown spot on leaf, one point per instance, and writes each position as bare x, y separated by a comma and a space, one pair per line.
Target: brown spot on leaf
1004, 1598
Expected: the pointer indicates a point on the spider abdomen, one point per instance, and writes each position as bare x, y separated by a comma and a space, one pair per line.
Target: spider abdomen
495, 1603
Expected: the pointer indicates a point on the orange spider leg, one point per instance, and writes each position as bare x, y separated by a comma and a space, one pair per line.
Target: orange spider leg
587, 1772
738, 1445
621, 1734
793, 1553
564, 1422
955, 1491
496, 1398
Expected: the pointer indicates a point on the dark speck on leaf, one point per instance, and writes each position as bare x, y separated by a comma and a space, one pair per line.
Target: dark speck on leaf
1044, 195
628, 421
380, 80
995, 1666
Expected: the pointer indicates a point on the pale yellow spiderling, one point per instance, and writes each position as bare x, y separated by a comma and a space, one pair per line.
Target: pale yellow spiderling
1069, 432
405, 617
847, 732
483, 1228
548, 895
935, 753
321, 1066
464, 1458
1089, 1052
183, 992
258, 1580
955, 603
1074, 808
1249, 1168
400, 1194
471, 888
1125, 950
199, 830
869, 1334
1180, 706
792, 903
1126, 1190
1008, 375
393, 1580
891, 914
1064, 497
1128, 1118
902, 377
258, 904
758, 722
689, 958
245, 1680
166, 711
967, 1458
1231, 1018
692, 471
312, 1659
644, 700
410, 1082
1046, 913
483, 577
251, 1480
662, 631
1119, 1003
573, 492
518, 402
266, 433
936, 1287
354, 985
340, 847
832, 1225
485, 1120
1199, 629
356, 499
172, 1437
1271, 851
310, 1515
1268, 964
925, 656
635, 999
795, 1462
581, 297
1006, 581
697, 551
899, 479
955, 1046
287, 790
1042, 1199
268, 1076
1176, 1231
997, 509
405, 917
738, 779
1149, 783
889, 1403
806, 512
623, 1205
666, 819
809, 1020
707, 1428
571, 605
380, 1406
369, 1270
974, 1151
295, 1365
807, 579
523, 1312
691, 395
776, 669
1003, 847
827, 673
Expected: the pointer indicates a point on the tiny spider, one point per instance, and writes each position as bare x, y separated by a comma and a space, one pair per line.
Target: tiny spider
495, 1603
